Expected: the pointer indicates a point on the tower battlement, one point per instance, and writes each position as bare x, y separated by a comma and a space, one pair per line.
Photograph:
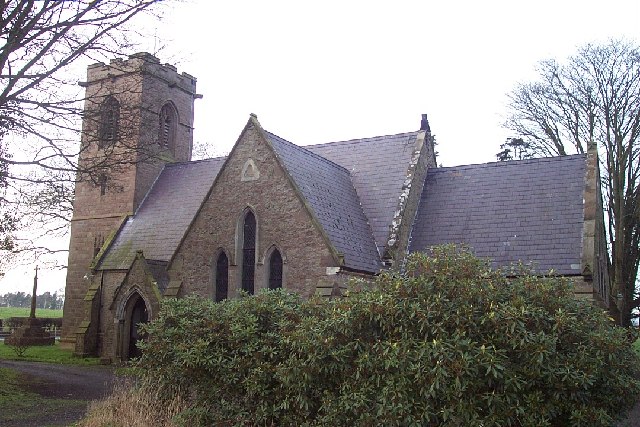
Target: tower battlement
140, 62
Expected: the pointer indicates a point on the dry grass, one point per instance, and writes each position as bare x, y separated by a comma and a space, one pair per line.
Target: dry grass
130, 406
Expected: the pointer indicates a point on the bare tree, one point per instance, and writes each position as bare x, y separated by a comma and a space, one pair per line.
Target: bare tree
41, 107
594, 97
206, 150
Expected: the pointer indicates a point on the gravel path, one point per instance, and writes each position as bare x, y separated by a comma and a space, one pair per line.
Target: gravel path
78, 385
633, 418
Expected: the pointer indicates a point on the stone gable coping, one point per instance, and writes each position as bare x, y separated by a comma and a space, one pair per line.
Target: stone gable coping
409, 198
150, 282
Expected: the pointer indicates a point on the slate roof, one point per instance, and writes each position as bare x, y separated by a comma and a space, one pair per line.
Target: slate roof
378, 167
328, 190
164, 215
529, 210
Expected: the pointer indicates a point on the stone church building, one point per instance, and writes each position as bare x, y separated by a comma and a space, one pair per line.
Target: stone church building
273, 214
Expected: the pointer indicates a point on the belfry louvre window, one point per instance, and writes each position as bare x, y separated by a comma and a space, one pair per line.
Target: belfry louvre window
109, 116
168, 124
222, 277
275, 270
248, 252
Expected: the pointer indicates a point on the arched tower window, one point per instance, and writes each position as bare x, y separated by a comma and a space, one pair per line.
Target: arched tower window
168, 126
222, 277
248, 252
275, 270
109, 117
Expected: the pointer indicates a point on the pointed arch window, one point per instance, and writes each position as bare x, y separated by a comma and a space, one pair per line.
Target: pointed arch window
109, 117
222, 277
168, 126
275, 270
248, 252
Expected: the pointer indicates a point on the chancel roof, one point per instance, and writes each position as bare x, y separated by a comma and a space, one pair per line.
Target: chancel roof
528, 210
164, 215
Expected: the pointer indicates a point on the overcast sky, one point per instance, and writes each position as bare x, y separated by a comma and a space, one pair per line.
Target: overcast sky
333, 70
336, 70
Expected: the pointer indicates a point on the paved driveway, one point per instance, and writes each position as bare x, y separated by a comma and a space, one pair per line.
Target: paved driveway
70, 389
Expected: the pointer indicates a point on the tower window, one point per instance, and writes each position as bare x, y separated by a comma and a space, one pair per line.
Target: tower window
168, 126
102, 181
248, 252
222, 277
109, 116
275, 270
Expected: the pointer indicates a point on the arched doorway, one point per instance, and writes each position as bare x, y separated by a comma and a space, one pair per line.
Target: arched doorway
136, 313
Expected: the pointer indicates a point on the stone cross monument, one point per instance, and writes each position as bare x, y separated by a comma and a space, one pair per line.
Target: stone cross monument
31, 332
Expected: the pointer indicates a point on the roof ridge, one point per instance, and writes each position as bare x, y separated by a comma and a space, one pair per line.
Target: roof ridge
356, 140
190, 162
299, 147
512, 162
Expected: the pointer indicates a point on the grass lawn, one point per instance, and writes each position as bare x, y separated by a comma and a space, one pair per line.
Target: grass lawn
6, 312
47, 353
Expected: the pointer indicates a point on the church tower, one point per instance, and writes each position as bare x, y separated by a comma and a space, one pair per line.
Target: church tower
138, 115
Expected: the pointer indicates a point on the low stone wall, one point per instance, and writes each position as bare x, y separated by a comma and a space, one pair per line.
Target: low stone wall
45, 322
29, 333
53, 325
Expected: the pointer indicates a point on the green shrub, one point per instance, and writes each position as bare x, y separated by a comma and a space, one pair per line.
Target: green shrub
449, 342
223, 355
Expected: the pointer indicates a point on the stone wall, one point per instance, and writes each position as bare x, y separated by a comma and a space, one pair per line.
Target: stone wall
111, 281
87, 235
